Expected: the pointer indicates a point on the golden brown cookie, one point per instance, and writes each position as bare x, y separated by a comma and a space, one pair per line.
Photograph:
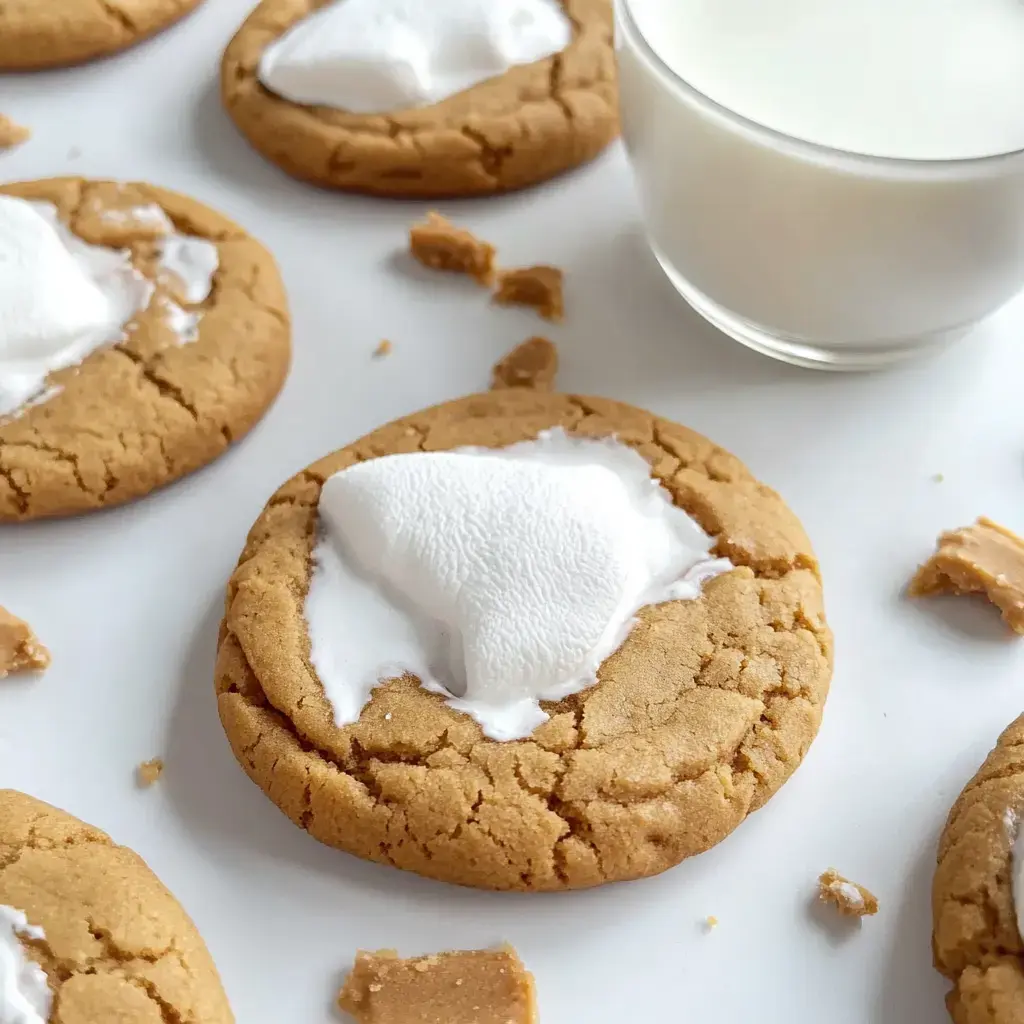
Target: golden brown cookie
975, 939
696, 721
520, 128
117, 946
53, 33
142, 413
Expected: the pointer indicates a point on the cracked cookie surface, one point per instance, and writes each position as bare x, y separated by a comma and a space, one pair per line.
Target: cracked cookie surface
135, 416
699, 717
54, 33
975, 939
118, 946
515, 130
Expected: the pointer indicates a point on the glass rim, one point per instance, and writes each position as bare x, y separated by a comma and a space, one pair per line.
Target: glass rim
939, 166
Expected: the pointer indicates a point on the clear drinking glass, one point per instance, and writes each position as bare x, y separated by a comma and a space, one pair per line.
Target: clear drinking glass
813, 255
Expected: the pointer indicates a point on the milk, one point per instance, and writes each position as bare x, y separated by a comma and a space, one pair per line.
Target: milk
834, 183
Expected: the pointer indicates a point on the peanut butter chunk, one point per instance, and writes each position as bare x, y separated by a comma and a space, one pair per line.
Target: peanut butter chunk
849, 898
539, 287
985, 558
20, 650
11, 133
533, 364
437, 243
487, 986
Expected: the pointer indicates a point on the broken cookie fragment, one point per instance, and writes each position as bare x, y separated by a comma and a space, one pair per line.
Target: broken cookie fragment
539, 287
11, 133
848, 897
985, 558
20, 650
533, 364
468, 987
440, 245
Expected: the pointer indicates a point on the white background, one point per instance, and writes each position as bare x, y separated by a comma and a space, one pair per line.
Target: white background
129, 600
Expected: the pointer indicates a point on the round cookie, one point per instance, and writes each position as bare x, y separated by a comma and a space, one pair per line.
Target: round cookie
696, 720
54, 33
975, 939
117, 946
137, 415
520, 128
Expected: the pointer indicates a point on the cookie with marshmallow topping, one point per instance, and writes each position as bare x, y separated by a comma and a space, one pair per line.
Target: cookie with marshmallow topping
524, 641
406, 98
141, 333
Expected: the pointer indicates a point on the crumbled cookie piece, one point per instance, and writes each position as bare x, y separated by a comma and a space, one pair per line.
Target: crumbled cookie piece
437, 243
533, 364
710, 923
149, 771
383, 349
11, 133
487, 986
539, 287
20, 650
985, 558
850, 899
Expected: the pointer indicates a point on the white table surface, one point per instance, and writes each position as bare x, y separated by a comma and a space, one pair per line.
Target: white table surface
129, 600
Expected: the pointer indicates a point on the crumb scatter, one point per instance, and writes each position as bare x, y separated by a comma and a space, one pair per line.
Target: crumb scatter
20, 649
149, 771
441, 245
539, 287
533, 364
849, 898
11, 133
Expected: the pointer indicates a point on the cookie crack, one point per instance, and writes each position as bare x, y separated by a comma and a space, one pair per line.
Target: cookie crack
165, 387
117, 14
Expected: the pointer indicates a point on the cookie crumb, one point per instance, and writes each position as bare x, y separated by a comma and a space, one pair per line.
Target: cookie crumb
11, 133
383, 349
20, 649
533, 364
710, 923
849, 898
489, 986
437, 243
539, 287
149, 771
985, 558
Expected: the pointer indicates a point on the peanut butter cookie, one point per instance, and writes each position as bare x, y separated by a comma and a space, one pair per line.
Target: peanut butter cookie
530, 124
53, 33
975, 937
698, 718
101, 938
190, 378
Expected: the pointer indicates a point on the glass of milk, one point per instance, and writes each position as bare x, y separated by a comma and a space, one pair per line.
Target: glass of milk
834, 184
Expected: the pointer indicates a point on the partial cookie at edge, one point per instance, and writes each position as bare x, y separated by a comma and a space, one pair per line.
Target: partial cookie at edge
118, 945
975, 939
697, 720
137, 415
34, 34
516, 130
